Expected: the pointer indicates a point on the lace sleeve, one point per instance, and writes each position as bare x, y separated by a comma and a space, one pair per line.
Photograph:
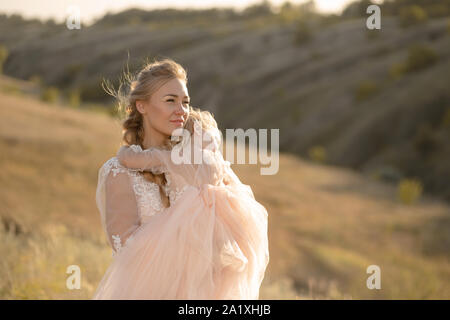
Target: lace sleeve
118, 206
134, 157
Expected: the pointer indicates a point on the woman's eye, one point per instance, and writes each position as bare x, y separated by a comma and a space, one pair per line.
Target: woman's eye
172, 100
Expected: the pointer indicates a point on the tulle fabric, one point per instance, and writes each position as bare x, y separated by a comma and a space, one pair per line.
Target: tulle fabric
211, 243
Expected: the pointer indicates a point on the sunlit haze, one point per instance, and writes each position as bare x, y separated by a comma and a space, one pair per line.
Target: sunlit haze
90, 10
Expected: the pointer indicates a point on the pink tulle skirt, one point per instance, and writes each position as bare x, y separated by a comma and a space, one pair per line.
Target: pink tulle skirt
210, 244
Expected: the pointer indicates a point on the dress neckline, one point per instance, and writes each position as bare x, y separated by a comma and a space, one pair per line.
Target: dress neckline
149, 148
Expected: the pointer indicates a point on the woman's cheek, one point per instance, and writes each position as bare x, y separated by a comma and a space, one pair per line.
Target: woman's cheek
166, 111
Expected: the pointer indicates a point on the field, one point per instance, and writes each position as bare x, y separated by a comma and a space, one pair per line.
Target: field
326, 224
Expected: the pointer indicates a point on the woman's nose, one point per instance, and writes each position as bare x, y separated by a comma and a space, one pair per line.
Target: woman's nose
181, 110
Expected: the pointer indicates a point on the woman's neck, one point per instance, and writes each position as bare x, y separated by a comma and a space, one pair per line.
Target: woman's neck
152, 138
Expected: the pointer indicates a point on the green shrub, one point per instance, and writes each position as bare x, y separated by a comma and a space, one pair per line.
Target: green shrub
70, 73
446, 118
261, 9
50, 95
425, 140
365, 90
92, 91
11, 89
303, 32
420, 57
397, 70
287, 13
317, 154
74, 98
412, 15
409, 190
438, 9
37, 80
3, 56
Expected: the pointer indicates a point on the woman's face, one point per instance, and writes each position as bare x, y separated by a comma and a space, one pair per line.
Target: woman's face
167, 109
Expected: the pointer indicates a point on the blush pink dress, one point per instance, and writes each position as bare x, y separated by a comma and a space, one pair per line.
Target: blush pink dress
211, 243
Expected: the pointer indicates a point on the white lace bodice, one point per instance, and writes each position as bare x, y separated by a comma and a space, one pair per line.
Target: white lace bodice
172, 192
147, 193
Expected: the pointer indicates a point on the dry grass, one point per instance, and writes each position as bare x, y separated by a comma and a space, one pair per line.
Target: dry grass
326, 225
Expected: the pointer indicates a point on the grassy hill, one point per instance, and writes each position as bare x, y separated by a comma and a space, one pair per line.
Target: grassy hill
326, 224
375, 101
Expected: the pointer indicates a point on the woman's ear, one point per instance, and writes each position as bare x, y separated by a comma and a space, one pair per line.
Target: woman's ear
140, 106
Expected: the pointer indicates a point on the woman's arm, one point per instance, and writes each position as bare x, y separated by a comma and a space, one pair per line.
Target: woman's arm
135, 158
121, 212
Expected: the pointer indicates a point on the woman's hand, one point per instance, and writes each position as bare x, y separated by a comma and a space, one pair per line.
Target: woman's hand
133, 157
121, 155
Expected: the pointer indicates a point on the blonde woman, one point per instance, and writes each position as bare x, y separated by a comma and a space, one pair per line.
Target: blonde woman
178, 230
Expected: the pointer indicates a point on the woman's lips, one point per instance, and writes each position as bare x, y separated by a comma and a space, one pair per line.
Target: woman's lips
177, 122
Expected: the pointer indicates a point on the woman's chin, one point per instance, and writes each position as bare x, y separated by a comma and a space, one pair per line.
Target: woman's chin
173, 127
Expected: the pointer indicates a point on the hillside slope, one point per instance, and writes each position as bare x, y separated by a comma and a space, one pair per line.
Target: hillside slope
342, 90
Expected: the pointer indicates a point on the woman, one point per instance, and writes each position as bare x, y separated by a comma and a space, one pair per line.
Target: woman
178, 230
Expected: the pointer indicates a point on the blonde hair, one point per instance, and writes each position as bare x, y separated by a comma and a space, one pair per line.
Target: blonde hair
149, 79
